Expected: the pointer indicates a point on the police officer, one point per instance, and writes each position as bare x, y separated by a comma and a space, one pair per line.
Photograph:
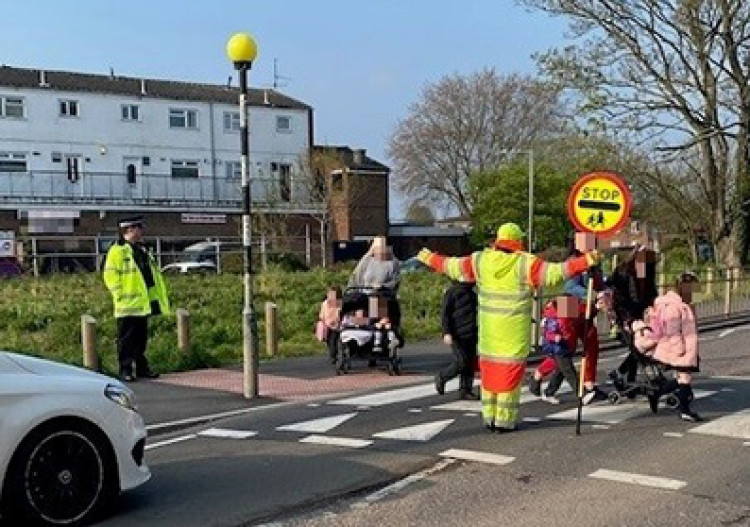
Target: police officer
138, 291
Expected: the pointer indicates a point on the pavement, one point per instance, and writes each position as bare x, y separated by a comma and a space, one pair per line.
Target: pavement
177, 400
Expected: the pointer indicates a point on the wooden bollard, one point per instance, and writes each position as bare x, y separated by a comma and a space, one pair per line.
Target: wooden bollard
88, 340
272, 329
183, 330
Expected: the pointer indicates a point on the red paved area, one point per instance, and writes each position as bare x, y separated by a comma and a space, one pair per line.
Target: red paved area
290, 388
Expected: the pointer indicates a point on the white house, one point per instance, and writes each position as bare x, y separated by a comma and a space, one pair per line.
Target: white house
79, 150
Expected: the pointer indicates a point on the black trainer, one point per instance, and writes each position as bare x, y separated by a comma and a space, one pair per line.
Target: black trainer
535, 387
439, 384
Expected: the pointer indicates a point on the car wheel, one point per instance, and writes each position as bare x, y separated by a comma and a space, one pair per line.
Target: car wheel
61, 474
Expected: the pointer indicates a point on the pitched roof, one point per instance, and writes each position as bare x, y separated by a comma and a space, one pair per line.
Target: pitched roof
347, 157
131, 86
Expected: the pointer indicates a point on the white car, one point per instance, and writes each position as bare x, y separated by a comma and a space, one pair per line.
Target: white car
197, 258
70, 441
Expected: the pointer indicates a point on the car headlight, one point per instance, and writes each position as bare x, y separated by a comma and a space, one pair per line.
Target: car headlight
121, 396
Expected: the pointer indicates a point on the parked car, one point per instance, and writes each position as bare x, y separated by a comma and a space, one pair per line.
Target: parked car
197, 258
70, 441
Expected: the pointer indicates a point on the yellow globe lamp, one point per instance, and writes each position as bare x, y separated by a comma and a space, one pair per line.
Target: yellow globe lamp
242, 49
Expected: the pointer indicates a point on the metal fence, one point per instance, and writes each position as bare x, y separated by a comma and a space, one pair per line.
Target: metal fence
48, 254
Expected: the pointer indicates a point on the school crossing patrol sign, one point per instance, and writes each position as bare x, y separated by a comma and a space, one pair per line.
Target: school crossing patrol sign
599, 203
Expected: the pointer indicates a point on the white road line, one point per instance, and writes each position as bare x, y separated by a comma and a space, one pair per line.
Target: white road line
746, 443
170, 441
638, 479
673, 434
532, 419
348, 442
225, 433
414, 410
731, 377
403, 483
423, 432
732, 425
317, 426
727, 332
471, 414
600, 427
481, 457
398, 395
220, 415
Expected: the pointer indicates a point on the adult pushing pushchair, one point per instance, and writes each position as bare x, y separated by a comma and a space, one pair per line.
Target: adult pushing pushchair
370, 312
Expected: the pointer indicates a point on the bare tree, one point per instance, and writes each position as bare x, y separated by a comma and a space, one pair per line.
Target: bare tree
675, 73
467, 124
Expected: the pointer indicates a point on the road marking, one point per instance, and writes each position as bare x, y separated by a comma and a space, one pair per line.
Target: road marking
638, 479
313, 405
731, 377
729, 331
532, 419
481, 457
225, 433
317, 426
471, 414
673, 434
746, 443
476, 406
423, 432
600, 427
170, 441
220, 415
732, 425
613, 414
414, 410
363, 408
397, 395
403, 483
336, 441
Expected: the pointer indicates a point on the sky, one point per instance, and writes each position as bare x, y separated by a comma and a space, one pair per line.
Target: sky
359, 64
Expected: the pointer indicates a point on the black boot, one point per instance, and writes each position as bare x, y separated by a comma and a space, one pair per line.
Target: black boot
439, 384
685, 396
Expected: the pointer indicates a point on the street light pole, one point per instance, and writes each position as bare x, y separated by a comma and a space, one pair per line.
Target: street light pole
531, 201
242, 50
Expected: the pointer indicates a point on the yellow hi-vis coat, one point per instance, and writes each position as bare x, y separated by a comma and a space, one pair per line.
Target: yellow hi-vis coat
505, 282
125, 281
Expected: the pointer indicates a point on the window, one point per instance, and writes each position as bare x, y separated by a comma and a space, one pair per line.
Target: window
12, 107
283, 124
231, 121
130, 112
56, 157
13, 162
337, 182
184, 169
285, 182
233, 169
179, 118
68, 108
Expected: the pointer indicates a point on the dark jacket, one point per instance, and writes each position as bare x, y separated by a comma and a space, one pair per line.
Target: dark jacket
631, 296
460, 312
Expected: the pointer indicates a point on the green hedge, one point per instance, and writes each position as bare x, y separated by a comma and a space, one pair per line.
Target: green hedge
42, 316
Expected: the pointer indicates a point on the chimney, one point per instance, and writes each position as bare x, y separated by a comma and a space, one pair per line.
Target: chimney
43, 79
266, 101
143, 87
358, 156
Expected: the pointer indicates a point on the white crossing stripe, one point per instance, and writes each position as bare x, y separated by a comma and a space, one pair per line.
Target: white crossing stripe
398, 395
423, 432
348, 442
317, 426
171, 441
225, 433
732, 425
481, 457
408, 480
638, 479
613, 414
476, 406
673, 434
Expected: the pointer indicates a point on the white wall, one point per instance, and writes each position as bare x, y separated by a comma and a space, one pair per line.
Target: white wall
103, 139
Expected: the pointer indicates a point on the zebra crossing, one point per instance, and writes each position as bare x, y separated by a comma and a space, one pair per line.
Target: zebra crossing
424, 416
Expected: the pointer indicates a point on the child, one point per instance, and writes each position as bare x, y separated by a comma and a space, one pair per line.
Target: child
330, 311
669, 335
460, 332
557, 336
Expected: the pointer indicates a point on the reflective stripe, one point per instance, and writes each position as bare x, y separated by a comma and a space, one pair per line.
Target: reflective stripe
523, 271
502, 360
511, 311
503, 295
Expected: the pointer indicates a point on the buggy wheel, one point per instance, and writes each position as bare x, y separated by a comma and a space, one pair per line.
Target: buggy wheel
614, 397
671, 401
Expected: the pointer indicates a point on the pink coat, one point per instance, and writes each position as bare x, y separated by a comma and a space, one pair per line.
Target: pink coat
678, 345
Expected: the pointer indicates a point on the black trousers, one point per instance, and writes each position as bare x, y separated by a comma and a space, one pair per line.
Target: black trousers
332, 342
565, 370
629, 366
132, 338
464, 354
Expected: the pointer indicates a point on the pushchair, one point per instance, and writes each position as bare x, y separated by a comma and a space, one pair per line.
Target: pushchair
650, 379
360, 338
